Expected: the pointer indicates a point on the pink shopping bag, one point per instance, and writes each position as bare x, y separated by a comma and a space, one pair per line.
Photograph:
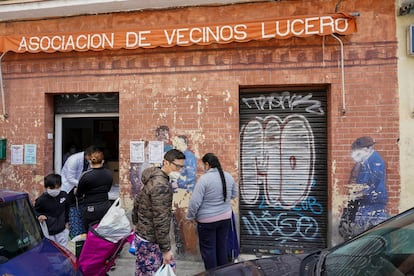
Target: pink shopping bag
98, 254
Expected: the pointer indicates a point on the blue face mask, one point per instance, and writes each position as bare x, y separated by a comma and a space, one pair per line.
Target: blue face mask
53, 192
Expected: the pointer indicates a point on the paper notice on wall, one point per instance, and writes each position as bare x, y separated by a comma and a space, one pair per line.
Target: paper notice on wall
156, 152
16, 155
30, 154
136, 151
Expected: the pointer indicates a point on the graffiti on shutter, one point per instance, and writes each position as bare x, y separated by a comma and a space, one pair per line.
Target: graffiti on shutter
283, 177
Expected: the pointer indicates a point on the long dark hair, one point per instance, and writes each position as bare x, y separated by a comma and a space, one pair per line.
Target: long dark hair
213, 161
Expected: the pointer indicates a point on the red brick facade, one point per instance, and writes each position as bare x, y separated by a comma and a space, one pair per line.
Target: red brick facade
195, 90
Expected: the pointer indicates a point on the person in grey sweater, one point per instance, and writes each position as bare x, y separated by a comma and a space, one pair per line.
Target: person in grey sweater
210, 207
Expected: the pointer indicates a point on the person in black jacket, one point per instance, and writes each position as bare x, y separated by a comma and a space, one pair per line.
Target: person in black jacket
52, 207
93, 188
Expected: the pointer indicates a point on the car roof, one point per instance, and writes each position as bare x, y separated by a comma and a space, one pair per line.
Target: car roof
9, 195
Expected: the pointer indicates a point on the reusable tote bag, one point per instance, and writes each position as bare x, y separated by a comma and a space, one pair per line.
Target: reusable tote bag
232, 240
75, 221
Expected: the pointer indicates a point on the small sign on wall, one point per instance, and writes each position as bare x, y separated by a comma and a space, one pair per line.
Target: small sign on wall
156, 152
30, 154
16, 155
23, 154
136, 151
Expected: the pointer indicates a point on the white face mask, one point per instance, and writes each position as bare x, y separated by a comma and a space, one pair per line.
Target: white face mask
174, 176
359, 155
53, 192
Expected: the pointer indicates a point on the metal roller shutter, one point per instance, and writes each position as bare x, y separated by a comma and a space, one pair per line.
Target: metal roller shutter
283, 170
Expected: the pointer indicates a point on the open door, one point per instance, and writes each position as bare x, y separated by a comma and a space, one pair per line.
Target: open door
75, 132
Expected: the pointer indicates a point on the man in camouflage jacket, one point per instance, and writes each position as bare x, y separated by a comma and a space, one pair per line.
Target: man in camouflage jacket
152, 215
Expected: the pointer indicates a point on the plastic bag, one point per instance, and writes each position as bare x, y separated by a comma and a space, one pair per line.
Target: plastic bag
165, 270
114, 225
45, 230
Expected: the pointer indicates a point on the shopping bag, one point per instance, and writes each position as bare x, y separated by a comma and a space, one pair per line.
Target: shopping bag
75, 222
165, 270
232, 241
98, 254
45, 230
115, 224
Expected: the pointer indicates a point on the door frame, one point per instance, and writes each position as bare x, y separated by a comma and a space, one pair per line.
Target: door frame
58, 133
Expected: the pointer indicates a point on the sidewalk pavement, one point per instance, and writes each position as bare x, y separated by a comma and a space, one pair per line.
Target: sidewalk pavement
125, 265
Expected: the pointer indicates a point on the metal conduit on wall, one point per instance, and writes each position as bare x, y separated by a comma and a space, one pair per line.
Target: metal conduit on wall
2, 88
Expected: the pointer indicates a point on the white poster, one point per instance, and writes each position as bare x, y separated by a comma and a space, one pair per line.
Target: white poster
156, 152
30, 154
136, 151
16, 155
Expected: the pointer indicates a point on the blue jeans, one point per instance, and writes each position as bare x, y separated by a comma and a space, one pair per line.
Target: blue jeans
213, 242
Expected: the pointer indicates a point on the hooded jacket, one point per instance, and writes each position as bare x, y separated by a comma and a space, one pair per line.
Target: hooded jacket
152, 212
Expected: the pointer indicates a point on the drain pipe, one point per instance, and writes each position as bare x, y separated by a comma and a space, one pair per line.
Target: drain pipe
2, 89
343, 111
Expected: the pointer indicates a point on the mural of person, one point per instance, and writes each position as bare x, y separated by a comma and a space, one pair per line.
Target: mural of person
135, 172
368, 194
162, 133
187, 177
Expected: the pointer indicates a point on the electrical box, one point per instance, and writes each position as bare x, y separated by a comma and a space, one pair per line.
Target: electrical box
3, 148
410, 40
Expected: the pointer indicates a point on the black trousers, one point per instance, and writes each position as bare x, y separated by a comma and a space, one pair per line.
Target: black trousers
92, 213
213, 242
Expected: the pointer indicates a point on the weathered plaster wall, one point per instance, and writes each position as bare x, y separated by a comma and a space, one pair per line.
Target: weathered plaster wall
406, 94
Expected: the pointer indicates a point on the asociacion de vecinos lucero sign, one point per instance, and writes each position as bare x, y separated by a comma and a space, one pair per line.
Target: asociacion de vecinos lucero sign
282, 28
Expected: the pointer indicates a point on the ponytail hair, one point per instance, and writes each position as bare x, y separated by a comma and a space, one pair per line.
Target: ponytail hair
213, 161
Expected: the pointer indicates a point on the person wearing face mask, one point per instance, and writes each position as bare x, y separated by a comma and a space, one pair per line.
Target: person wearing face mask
368, 193
52, 207
152, 214
93, 187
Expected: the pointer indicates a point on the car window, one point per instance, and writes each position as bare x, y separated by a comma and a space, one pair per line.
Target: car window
401, 240
384, 250
19, 229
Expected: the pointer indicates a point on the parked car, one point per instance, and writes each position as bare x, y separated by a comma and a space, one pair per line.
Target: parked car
386, 249
23, 248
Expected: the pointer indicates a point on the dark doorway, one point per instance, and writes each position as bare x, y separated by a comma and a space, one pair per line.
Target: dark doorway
79, 133
83, 132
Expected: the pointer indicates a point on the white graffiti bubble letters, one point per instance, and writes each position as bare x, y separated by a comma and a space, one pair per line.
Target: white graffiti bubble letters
277, 155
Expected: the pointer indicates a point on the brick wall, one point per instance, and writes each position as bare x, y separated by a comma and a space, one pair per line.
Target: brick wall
194, 90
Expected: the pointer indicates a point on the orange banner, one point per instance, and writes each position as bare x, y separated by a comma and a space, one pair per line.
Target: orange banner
282, 28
